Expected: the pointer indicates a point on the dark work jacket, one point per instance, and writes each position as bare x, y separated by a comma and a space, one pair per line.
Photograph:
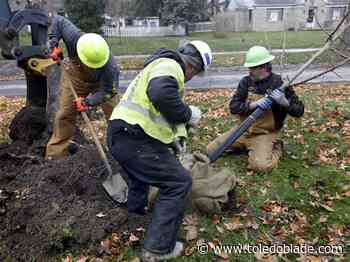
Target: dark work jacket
240, 105
163, 91
107, 76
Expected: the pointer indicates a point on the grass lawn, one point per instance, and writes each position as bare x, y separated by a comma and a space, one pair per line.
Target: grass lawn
305, 200
220, 42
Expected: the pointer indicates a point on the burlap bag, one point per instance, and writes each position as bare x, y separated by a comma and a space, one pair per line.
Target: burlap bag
210, 187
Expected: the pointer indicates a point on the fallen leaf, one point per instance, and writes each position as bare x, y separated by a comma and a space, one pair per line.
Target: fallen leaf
251, 223
191, 220
133, 238
136, 259
97, 260
189, 251
106, 245
115, 251
82, 259
309, 259
115, 237
234, 225
192, 233
216, 220
327, 208
323, 219
262, 257
223, 255
268, 221
346, 194
68, 259
314, 193
220, 229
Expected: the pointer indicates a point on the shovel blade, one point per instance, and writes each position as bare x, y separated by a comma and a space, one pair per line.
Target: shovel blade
116, 188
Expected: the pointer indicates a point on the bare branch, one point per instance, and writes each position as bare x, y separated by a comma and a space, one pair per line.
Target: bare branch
339, 53
338, 26
323, 73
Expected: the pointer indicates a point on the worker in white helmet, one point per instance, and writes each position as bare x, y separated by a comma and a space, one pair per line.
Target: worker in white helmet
150, 117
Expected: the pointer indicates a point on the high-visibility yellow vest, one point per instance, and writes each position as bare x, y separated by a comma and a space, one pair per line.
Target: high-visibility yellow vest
135, 107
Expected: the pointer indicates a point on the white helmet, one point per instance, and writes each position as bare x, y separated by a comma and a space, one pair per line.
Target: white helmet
205, 51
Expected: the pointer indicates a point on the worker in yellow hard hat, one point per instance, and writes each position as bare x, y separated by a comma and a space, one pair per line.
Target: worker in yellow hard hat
264, 150
91, 70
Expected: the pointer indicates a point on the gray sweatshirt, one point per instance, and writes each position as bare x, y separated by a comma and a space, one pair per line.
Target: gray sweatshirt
108, 75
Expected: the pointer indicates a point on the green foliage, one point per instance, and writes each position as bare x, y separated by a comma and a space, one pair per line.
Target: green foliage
86, 14
147, 7
182, 11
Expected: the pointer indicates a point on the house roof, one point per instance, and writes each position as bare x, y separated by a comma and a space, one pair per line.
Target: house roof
274, 2
337, 2
268, 3
240, 4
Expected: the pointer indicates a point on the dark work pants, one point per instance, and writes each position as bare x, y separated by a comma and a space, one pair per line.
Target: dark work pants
148, 162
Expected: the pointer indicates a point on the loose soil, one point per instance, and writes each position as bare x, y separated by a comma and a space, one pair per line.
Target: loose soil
49, 207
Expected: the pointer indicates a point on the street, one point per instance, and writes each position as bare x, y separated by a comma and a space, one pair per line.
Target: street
215, 78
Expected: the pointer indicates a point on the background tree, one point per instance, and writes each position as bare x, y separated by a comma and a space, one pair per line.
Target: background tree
119, 8
148, 7
86, 14
184, 11
347, 32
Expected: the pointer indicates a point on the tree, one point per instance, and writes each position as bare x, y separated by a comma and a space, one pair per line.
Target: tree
148, 7
347, 31
86, 14
184, 11
119, 8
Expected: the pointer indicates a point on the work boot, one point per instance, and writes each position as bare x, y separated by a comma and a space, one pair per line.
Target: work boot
148, 256
236, 151
73, 148
278, 145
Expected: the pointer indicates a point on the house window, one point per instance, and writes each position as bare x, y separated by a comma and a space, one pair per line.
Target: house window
337, 13
311, 14
274, 14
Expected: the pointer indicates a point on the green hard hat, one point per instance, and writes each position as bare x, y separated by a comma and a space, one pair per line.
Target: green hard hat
257, 55
93, 51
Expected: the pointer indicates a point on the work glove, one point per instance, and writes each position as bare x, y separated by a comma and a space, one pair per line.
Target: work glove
56, 54
179, 146
279, 97
196, 116
263, 103
80, 104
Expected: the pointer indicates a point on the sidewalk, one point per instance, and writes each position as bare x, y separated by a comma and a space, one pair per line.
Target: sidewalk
275, 51
227, 77
10, 71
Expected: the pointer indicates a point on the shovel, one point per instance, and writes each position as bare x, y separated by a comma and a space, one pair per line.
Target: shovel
115, 186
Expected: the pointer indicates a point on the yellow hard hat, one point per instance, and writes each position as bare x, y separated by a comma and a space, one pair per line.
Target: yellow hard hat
93, 51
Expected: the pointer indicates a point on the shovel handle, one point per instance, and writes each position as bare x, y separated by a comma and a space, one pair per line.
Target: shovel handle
94, 136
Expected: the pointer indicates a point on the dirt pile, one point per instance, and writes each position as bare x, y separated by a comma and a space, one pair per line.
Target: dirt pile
47, 207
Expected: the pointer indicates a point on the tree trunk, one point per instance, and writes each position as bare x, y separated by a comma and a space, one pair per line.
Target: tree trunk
347, 32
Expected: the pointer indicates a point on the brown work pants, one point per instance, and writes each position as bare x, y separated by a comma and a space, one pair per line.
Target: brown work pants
74, 75
264, 152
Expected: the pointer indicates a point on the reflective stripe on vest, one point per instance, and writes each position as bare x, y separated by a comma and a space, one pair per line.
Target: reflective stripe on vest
141, 112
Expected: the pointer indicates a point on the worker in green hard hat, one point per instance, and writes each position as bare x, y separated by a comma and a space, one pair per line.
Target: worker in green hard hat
264, 150
92, 72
